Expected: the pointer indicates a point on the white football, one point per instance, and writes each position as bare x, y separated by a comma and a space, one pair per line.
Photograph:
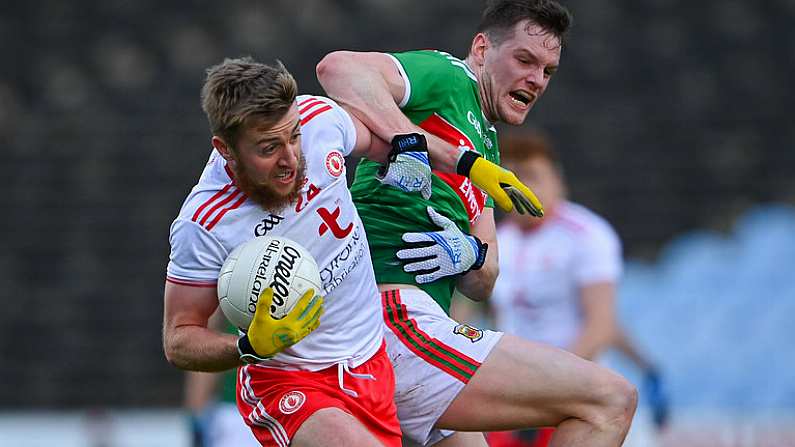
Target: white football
262, 262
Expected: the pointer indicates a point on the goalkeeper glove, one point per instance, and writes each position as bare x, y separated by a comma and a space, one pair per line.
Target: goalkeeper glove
450, 251
408, 167
499, 183
267, 336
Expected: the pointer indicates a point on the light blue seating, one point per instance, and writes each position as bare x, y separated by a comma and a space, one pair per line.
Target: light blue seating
716, 313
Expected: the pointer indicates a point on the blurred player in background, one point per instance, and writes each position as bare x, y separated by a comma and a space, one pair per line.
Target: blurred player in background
210, 399
277, 169
558, 275
451, 375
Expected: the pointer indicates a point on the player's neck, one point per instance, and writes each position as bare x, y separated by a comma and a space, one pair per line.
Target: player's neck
482, 94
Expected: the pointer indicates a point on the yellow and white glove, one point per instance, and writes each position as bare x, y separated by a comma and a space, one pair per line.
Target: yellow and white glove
267, 336
499, 183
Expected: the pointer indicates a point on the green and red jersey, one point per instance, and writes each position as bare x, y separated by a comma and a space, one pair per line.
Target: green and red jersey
442, 98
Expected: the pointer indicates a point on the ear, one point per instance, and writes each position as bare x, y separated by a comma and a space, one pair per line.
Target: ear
220, 145
478, 49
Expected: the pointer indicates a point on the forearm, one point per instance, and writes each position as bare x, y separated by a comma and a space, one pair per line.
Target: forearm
366, 94
592, 340
196, 348
623, 344
477, 285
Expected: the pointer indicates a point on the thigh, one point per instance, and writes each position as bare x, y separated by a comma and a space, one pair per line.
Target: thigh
526, 384
463, 439
277, 404
332, 426
433, 356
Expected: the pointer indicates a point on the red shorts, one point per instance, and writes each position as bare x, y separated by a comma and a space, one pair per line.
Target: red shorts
538, 437
274, 402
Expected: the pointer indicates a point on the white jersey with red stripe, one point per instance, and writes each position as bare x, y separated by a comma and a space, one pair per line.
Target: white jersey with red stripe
217, 217
541, 272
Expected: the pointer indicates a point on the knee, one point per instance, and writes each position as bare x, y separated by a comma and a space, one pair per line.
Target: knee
619, 400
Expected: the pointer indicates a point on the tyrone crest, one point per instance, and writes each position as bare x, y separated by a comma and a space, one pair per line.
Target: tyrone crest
291, 402
472, 333
335, 163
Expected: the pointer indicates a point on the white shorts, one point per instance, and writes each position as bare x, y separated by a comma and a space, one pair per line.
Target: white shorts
433, 357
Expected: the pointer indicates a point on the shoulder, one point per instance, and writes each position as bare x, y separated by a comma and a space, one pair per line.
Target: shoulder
586, 224
432, 72
314, 108
434, 60
214, 195
325, 127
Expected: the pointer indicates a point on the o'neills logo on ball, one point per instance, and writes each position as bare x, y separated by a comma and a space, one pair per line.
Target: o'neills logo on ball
291, 402
281, 275
259, 279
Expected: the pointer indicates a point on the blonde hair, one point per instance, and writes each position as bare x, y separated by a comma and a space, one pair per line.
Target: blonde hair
238, 89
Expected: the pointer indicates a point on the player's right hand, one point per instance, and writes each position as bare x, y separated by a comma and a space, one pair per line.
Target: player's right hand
408, 167
267, 336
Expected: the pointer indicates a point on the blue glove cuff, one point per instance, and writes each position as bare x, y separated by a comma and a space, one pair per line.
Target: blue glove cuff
481, 249
410, 142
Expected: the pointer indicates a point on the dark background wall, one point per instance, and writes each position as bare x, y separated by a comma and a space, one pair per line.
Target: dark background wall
670, 115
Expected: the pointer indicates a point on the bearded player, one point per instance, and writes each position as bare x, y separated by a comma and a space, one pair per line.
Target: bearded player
277, 169
453, 376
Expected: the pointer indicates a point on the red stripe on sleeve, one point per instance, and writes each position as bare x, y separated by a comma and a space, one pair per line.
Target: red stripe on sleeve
309, 105
182, 282
226, 210
218, 205
211, 200
315, 113
311, 98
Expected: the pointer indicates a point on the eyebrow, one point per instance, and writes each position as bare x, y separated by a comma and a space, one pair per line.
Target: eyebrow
274, 138
530, 54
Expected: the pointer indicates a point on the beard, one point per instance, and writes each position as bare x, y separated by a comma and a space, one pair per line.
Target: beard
263, 193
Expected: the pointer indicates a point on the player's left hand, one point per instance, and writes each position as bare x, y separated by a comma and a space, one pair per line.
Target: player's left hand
267, 336
437, 254
408, 167
499, 183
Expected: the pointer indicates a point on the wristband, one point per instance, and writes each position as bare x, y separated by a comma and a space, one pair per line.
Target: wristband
465, 162
246, 352
483, 248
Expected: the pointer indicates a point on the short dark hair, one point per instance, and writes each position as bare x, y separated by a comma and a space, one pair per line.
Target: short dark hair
238, 89
500, 16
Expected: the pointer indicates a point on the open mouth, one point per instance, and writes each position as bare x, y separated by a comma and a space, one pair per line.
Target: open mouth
286, 176
521, 98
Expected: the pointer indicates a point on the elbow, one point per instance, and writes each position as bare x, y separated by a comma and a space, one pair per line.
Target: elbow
172, 352
330, 66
